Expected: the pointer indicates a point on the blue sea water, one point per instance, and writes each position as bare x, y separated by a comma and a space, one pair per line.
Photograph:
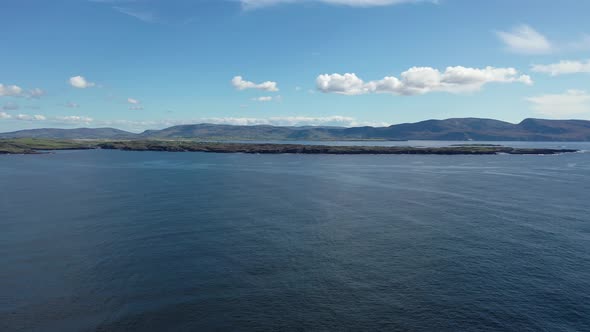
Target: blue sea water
156, 241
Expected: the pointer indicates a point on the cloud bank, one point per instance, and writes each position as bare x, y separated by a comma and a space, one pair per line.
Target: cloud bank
74, 120
421, 80
70, 119
564, 105
563, 67
22, 117
334, 120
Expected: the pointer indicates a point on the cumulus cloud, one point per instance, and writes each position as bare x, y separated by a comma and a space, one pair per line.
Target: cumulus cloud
4, 115
80, 82
570, 103
240, 84
133, 101
524, 39
10, 90
564, 67
253, 4
421, 80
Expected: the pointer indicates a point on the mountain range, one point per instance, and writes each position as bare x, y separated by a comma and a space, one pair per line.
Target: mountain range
458, 129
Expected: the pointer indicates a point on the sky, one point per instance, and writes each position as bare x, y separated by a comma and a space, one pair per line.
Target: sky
150, 64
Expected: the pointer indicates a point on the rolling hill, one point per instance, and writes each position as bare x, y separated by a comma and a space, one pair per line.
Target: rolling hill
78, 133
460, 129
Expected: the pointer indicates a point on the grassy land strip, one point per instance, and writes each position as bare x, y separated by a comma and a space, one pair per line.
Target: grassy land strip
27, 146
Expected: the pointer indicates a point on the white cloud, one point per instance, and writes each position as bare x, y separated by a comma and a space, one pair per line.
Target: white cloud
80, 82
10, 90
239, 83
570, 103
27, 117
134, 104
347, 84
563, 67
73, 119
17, 91
421, 80
334, 120
267, 98
526, 40
253, 4
263, 99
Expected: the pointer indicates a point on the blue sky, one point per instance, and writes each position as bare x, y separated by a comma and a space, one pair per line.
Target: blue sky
138, 64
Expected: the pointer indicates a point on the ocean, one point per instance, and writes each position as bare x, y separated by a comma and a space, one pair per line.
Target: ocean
157, 241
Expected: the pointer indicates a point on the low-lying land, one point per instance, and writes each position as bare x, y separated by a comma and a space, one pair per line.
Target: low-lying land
32, 146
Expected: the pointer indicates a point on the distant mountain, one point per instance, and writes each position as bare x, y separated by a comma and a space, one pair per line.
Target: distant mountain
213, 131
490, 130
79, 133
460, 129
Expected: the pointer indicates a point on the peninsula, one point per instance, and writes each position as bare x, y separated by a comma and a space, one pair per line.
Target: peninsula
33, 146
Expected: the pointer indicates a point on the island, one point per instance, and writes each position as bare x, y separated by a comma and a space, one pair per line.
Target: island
36, 146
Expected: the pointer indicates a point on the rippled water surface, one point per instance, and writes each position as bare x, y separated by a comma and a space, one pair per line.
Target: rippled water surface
155, 241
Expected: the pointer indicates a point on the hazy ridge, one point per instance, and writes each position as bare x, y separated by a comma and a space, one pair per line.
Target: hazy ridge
460, 129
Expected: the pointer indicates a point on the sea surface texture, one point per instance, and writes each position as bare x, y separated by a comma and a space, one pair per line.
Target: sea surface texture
156, 241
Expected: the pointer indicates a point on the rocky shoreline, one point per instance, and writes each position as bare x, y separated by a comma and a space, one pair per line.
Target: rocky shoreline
317, 149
